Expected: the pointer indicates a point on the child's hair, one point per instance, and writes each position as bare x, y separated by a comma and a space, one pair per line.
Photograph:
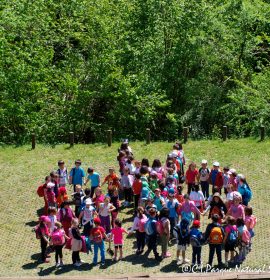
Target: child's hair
150, 200
98, 189
179, 189
138, 176
180, 145
181, 180
170, 170
176, 146
215, 218
52, 210
78, 187
192, 164
65, 203
230, 220
52, 174
240, 222
87, 191
215, 189
145, 162
90, 170
74, 222
156, 163
196, 187
248, 211
58, 224
118, 222
78, 161
161, 185
60, 162
47, 178
107, 198
143, 170
164, 212
140, 210
130, 159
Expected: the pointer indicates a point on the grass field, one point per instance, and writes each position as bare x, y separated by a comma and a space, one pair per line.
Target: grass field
22, 170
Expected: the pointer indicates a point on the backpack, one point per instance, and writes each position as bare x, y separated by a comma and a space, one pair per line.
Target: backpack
37, 231
216, 235
247, 194
232, 237
58, 237
141, 225
160, 227
246, 236
195, 239
40, 191
148, 227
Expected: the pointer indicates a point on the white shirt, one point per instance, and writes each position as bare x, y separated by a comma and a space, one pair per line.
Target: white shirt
197, 197
104, 209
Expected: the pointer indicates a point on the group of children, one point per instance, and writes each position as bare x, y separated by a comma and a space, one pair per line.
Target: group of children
162, 213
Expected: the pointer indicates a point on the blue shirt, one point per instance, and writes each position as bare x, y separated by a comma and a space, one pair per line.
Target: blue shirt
77, 175
172, 205
94, 178
214, 176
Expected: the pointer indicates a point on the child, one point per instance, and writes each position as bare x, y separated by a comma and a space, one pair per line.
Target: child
77, 199
86, 216
121, 161
113, 181
196, 238
58, 238
250, 222
116, 203
244, 190
129, 164
94, 177
52, 216
188, 209
145, 193
192, 176
158, 200
138, 226
244, 238
150, 204
236, 210
173, 206
117, 233
42, 233
126, 185
63, 174
97, 234
229, 196
230, 239
65, 216
137, 188
76, 242
151, 234
197, 196
215, 235
164, 231
216, 177
156, 166
76, 175
153, 180
226, 178
99, 197
179, 196
204, 178
233, 179
137, 167
50, 196
87, 194
104, 211
62, 196
181, 233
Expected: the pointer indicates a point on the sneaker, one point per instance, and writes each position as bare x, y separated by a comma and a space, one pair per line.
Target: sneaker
226, 264
103, 263
186, 261
179, 262
81, 261
57, 265
61, 263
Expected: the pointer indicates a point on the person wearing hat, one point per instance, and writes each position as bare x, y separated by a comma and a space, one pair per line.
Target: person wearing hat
216, 177
204, 178
151, 234
97, 236
86, 217
76, 175
216, 206
196, 238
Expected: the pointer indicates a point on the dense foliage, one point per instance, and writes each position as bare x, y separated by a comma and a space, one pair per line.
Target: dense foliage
91, 65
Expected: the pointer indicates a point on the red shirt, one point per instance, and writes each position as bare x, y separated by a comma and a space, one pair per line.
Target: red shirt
97, 234
191, 176
137, 187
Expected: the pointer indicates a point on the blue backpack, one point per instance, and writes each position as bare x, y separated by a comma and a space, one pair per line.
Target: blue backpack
247, 194
195, 238
232, 238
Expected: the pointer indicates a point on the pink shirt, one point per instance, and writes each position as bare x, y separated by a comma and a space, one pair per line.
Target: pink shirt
250, 222
189, 207
237, 211
118, 235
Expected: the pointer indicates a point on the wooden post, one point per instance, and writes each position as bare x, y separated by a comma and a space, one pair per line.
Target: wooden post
33, 141
224, 133
71, 139
148, 136
262, 128
185, 134
109, 137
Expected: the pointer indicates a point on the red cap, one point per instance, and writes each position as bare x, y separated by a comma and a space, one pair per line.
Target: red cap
196, 223
97, 221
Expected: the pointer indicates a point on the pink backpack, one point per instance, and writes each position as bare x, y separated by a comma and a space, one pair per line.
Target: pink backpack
246, 236
160, 227
58, 237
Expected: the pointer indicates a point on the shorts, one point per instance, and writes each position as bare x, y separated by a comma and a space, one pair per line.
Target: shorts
229, 247
118, 246
182, 247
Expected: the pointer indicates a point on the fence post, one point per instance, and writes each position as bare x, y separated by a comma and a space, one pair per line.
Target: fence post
33, 141
262, 128
71, 138
148, 136
109, 137
185, 134
224, 133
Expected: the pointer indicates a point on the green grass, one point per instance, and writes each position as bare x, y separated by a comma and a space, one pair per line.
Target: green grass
22, 170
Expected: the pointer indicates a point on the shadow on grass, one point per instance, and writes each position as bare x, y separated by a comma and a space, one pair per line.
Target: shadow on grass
40, 211
31, 224
35, 257
127, 220
31, 265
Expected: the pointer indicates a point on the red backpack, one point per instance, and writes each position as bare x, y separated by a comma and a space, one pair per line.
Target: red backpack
40, 191
160, 227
